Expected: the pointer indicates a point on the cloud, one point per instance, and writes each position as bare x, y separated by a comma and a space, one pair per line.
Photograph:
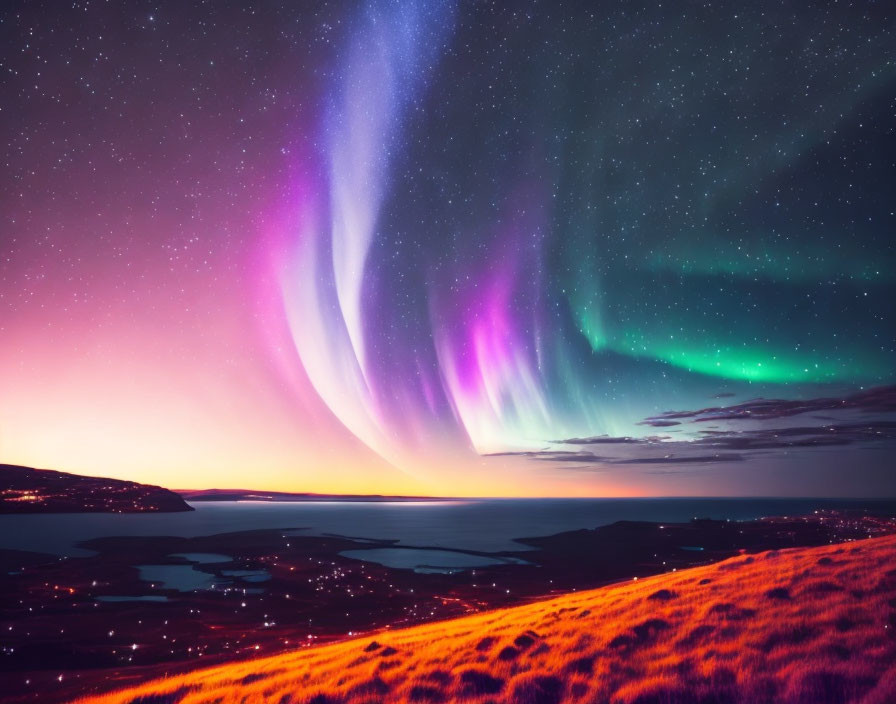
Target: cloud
683, 459
554, 456
601, 440
723, 442
585, 457
881, 399
782, 438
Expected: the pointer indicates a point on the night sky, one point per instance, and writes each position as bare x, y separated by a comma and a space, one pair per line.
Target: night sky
478, 248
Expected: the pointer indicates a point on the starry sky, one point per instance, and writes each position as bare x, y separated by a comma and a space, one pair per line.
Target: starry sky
453, 248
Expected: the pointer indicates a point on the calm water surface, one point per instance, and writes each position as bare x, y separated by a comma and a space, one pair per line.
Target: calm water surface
481, 524
427, 560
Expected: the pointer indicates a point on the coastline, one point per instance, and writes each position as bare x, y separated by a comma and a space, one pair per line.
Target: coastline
306, 592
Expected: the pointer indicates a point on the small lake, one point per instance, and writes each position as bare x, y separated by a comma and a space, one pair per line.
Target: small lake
183, 578
203, 558
248, 575
443, 561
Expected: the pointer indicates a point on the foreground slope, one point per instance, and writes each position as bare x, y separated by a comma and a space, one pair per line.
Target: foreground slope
802, 625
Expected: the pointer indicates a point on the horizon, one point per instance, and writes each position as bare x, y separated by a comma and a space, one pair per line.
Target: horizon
474, 497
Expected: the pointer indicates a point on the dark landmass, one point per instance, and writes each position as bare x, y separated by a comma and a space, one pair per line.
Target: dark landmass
12, 560
797, 626
253, 495
29, 490
276, 590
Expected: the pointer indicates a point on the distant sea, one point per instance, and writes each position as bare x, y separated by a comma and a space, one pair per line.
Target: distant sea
476, 524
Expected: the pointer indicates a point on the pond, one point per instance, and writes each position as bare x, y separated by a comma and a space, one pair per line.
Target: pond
420, 560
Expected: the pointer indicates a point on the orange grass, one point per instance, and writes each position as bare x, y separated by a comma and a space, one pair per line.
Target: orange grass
807, 625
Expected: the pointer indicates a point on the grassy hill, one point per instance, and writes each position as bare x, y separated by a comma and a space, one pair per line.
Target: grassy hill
807, 625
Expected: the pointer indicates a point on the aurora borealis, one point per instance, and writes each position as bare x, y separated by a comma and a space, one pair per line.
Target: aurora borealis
415, 246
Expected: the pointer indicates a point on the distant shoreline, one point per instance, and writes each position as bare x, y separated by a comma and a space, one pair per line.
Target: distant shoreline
27, 490
211, 495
